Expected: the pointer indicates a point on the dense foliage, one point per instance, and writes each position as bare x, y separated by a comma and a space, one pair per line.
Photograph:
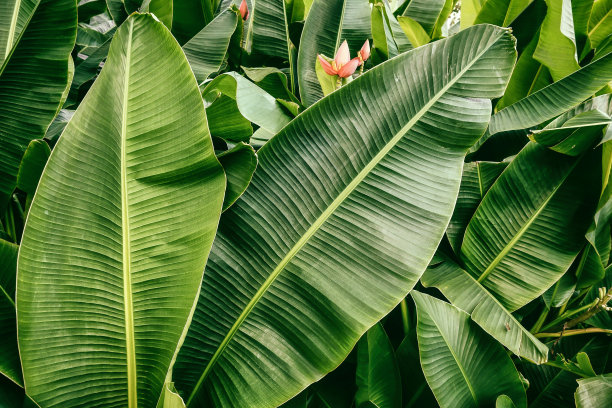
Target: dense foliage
306, 203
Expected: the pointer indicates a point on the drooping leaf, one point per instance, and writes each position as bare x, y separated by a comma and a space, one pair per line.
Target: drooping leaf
239, 164
462, 364
268, 32
226, 122
10, 366
527, 230
129, 202
554, 99
378, 378
299, 288
466, 293
328, 24
32, 165
594, 392
206, 50
27, 105
476, 180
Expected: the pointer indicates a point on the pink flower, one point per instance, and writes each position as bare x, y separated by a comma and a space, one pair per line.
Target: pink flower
244, 10
342, 65
364, 52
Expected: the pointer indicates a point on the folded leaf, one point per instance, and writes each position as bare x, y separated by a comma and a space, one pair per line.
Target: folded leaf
129, 203
239, 164
289, 287
462, 364
600, 22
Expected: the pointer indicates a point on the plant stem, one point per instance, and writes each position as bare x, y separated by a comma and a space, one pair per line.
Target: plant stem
566, 315
574, 332
538, 324
405, 319
596, 308
338, 83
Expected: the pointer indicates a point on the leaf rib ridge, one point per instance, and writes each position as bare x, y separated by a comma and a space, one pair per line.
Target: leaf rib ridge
523, 229
127, 281
326, 214
11, 33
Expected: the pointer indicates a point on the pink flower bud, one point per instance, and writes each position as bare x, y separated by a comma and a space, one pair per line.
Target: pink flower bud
343, 55
244, 10
364, 52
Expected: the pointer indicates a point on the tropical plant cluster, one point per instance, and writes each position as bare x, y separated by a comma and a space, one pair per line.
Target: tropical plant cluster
305, 203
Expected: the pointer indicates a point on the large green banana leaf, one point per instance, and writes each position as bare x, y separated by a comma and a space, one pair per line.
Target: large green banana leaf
431, 14
476, 180
9, 355
463, 365
600, 22
529, 227
377, 376
206, 50
33, 80
467, 294
119, 230
328, 24
268, 32
289, 287
14, 17
556, 47
554, 99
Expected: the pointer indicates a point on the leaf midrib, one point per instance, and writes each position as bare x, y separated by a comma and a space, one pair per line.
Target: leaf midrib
328, 211
12, 28
508, 247
125, 227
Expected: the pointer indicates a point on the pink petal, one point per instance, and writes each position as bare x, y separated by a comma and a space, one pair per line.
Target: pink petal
343, 55
364, 53
244, 10
329, 70
348, 69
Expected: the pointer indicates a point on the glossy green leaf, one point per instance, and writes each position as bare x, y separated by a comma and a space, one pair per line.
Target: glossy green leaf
466, 293
527, 230
32, 165
254, 103
129, 202
268, 32
239, 164
10, 366
529, 76
476, 180
469, 11
414, 31
226, 122
28, 106
171, 398
206, 50
328, 24
594, 392
600, 22
463, 365
430, 14
504, 401
188, 18
271, 80
501, 12
574, 136
554, 99
14, 17
300, 287
556, 47
378, 378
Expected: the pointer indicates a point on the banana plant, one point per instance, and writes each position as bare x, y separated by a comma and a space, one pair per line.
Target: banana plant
129, 202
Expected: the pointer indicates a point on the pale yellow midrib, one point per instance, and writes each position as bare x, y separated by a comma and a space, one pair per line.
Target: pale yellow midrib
323, 217
127, 281
11, 33
508, 247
